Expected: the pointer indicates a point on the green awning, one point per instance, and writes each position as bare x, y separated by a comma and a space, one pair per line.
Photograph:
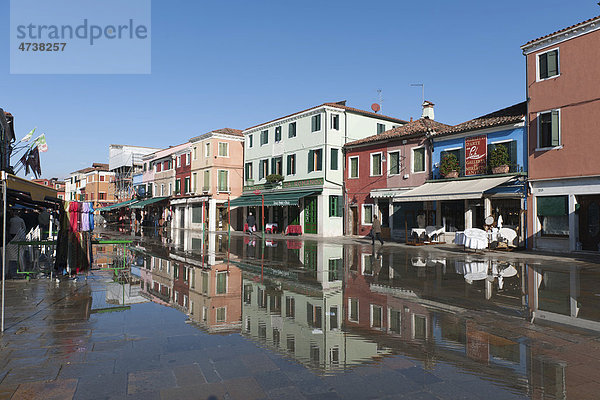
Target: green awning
271, 199
143, 203
552, 205
118, 205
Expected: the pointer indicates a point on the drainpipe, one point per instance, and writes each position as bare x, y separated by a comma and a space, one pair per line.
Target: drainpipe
528, 184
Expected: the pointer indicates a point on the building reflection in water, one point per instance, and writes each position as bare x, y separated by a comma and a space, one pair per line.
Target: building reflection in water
333, 307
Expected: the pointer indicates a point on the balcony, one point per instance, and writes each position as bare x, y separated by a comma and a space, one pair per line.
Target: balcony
512, 169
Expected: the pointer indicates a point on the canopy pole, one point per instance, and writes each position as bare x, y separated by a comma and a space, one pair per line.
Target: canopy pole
4, 190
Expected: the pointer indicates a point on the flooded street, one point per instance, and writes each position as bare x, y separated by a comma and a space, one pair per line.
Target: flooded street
207, 316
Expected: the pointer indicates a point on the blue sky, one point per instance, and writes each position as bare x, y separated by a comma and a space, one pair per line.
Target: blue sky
238, 63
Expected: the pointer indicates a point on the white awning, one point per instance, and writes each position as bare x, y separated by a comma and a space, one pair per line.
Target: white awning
452, 190
387, 193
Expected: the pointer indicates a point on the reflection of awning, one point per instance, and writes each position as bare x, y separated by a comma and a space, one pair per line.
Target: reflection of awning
36, 191
271, 199
452, 190
143, 203
118, 205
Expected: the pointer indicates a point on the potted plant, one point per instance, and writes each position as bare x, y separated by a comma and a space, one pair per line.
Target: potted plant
449, 166
499, 160
274, 179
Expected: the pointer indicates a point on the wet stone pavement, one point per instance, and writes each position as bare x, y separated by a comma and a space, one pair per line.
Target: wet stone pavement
200, 317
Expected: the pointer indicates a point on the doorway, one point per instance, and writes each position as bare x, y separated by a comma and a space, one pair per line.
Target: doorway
354, 220
589, 222
310, 215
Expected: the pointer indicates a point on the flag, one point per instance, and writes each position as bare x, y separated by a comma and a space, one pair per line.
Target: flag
28, 136
41, 144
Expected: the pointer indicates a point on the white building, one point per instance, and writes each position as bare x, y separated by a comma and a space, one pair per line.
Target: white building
126, 161
305, 149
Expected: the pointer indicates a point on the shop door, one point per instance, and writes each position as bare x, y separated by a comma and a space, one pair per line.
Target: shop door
293, 215
589, 222
310, 215
278, 217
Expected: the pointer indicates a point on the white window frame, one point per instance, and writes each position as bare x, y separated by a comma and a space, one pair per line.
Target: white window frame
219, 149
350, 167
217, 282
389, 321
224, 308
372, 306
350, 310
207, 149
333, 116
539, 126
170, 188
162, 189
195, 153
187, 158
389, 163
412, 160
227, 186
250, 142
362, 212
413, 325
178, 161
537, 64
371, 163
194, 183
363, 257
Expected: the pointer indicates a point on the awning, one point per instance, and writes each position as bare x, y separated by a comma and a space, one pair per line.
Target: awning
143, 203
387, 193
452, 190
271, 199
36, 191
118, 205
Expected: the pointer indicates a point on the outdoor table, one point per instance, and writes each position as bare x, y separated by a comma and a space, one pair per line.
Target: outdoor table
271, 228
417, 231
293, 230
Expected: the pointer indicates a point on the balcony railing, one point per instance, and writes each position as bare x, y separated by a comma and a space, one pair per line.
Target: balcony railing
513, 169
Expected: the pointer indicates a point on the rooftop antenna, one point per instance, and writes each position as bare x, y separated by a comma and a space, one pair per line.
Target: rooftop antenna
422, 90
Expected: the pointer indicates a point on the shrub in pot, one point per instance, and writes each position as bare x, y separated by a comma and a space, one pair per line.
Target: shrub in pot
499, 160
449, 166
274, 178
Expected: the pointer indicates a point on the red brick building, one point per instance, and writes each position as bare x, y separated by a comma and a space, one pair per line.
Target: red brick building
563, 89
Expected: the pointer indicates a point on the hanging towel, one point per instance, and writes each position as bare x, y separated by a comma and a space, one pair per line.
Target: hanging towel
91, 217
73, 216
85, 218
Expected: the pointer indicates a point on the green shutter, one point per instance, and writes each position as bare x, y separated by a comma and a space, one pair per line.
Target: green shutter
543, 60
273, 165
555, 128
331, 206
461, 161
319, 154
311, 160
334, 159
552, 63
394, 163
514, 157
340, 206
177, 185
289, 165
313, 124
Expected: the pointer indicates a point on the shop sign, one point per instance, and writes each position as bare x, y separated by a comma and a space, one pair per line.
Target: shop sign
304, 182
476, 155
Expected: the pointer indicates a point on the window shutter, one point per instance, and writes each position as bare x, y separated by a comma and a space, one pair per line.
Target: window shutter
555, 128
273, 166
311, 161
334, 159
461, 161
514, 159
543, 60
552, 61
319, 159
340, 206
313, 125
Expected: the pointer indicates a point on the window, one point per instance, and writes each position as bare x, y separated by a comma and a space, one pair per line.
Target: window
548, 64
376, 164
419, 327
511, 148
248, 171
145, 168
315, 160
221, 314
367, 214
395, 325
207, 150
394, 163
277, 165
264, 169
380, 128
250, 140
221, 282
167, 165
291, 343
333, 317
278, 134
353, 310
177, 186
101, 196
194, 153
223, 181
264, 137
290, 307
206, 180
291, 164
170, 188
292, 129
194, 182
552, 212
334, 159
315, 123
335, 206
335, 269
549, 129
418, 159
162, 190
205, 282
335, 121
353, 167
158, 167
223, 149
376, 316
178, 161
186, 185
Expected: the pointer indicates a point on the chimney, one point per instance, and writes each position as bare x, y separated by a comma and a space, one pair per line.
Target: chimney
428, 110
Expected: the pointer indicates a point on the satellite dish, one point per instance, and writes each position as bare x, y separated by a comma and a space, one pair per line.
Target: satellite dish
375, 107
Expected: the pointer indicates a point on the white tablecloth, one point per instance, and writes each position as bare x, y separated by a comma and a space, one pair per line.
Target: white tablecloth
418, 231
473, 238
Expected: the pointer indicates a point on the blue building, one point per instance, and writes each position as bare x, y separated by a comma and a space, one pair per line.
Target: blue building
462, 194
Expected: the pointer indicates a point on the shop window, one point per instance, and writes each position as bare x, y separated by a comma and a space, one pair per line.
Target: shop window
552, 212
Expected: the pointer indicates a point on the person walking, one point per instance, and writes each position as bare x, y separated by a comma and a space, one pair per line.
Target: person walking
251, 221
376, 230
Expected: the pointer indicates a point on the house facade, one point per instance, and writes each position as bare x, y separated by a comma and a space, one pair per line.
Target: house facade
563, 120
94, 184
126, 161
380, 166
301, 155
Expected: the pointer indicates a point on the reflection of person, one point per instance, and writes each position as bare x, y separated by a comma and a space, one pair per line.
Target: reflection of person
376, 230
251, 221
